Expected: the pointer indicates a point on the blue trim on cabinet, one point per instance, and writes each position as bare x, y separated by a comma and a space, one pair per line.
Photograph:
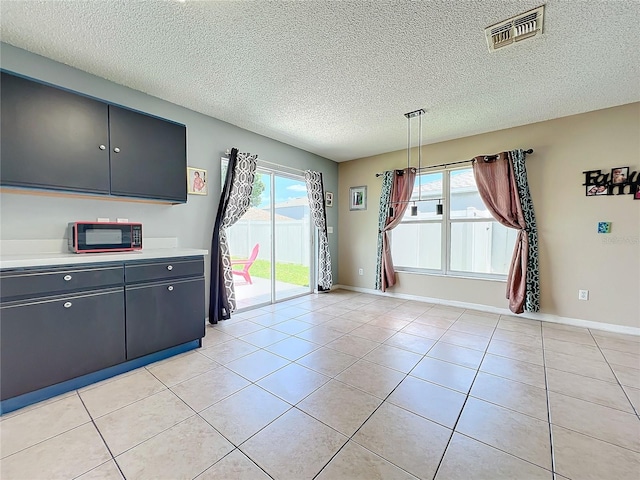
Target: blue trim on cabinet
30, 398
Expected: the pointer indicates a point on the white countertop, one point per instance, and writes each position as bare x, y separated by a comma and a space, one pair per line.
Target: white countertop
23, 260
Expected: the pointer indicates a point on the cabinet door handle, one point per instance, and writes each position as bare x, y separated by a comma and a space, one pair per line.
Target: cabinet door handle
117, 150
67, 304
169, 267
102, 147
170, 288
67, 278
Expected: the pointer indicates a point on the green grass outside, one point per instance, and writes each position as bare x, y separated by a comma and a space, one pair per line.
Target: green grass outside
285, 272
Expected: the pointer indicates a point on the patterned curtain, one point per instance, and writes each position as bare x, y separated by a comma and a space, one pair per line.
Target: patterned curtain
496, 179
401, 191
383, 214
315, 192
234, 202
532, 299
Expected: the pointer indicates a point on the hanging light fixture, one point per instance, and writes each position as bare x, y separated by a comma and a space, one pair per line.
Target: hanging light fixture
439, 207
416, 113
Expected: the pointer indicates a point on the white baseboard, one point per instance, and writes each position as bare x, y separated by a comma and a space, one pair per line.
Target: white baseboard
544, 317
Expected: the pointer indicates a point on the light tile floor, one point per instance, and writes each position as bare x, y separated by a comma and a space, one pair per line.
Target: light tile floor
351, 386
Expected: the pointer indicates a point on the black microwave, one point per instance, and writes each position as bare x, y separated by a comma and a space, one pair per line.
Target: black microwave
97, 237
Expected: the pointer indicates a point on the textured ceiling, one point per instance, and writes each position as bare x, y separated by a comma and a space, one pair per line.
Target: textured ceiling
335, 78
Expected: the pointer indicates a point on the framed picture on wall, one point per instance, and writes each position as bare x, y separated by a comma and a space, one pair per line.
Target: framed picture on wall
328, 197
636, 193
358, 198
593, 190
196, 181
619, 175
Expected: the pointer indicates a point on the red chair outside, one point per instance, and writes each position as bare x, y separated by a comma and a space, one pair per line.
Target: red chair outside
244, 273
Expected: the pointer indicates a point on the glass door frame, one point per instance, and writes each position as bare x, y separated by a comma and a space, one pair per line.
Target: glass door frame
281, 171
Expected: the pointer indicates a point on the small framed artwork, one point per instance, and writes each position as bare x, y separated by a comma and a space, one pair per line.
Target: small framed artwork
358, 198
196, 181
636, 194
593, 190
604, 227
619, 175
328, 197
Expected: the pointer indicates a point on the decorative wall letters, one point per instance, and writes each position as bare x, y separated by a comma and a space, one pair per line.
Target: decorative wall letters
617, 182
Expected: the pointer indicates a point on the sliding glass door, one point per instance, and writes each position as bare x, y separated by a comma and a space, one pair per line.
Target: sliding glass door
292, 237
271, 245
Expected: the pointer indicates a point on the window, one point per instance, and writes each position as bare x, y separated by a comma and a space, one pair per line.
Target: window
464, 240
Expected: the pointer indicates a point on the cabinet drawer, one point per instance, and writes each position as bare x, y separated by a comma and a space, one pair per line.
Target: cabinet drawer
167, 269
47, 342
164, 315
33, 283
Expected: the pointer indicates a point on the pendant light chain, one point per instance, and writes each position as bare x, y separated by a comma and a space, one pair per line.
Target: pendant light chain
420, 158
408, 142
410, 115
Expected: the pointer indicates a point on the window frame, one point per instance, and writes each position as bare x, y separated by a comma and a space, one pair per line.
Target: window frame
446, 223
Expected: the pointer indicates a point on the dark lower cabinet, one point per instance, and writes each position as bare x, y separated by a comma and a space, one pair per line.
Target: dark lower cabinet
45, 342
162, 315
60, 323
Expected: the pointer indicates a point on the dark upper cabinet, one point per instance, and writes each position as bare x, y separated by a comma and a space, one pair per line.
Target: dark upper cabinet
52, 138
59, 140
148, 156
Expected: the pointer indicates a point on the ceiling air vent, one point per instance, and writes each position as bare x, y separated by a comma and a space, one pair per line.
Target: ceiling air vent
520, 27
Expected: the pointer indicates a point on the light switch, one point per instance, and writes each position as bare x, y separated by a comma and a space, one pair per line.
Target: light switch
329, 229
103, 220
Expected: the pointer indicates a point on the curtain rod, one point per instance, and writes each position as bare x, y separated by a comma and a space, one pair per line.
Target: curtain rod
528, 152
281, 166
228, 152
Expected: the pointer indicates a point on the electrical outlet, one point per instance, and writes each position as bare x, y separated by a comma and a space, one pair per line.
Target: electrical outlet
583, 294
360, 271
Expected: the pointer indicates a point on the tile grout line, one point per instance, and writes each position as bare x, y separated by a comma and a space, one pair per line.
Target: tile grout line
350, 438
614, 374
101, 437
546, 389
167, 389
235, 447
390, 393
382, 344
453, 429
386, 398
292, 406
